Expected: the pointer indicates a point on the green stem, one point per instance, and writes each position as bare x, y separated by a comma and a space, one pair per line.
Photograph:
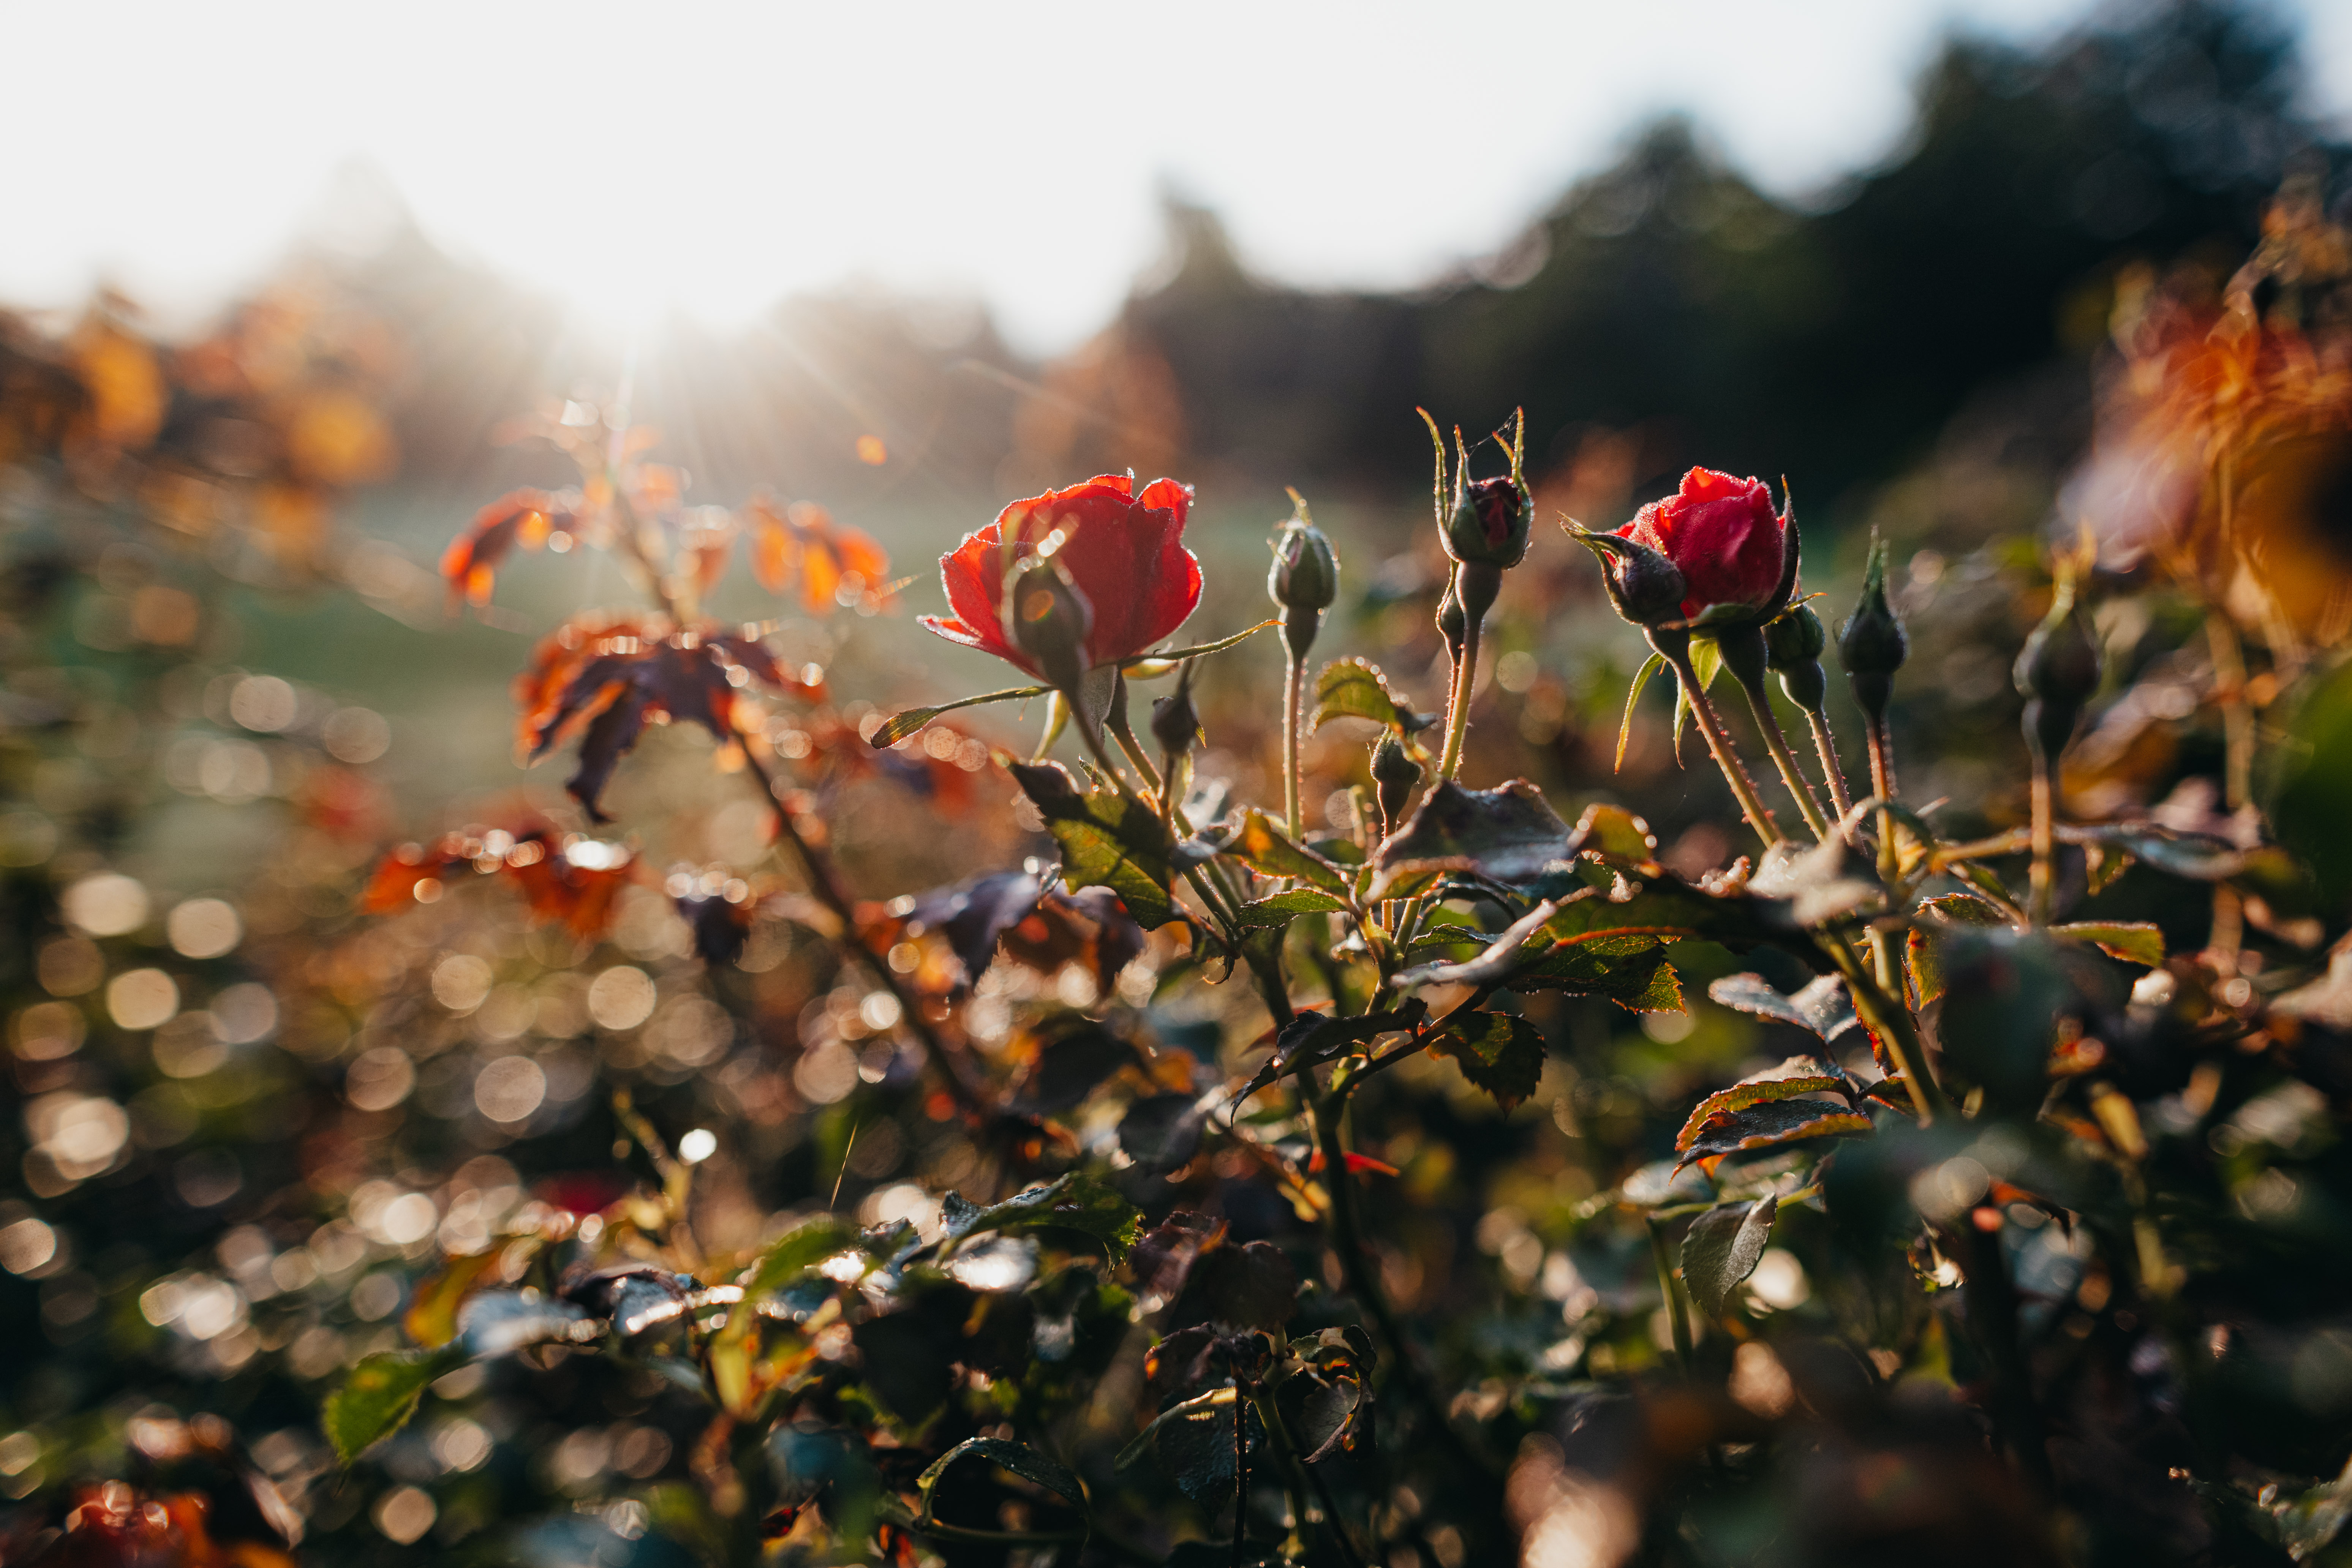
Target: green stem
1676, 1319
1776, 741
1735, 772
1874, 1003
1223, 910
1457, 711
2043, 878
1293, 689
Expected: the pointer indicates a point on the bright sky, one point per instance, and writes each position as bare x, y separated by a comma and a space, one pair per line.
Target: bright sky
714, 157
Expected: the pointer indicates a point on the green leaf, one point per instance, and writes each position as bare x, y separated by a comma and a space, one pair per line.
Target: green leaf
1723, 1246
1281, 908
899, 726
2007, 992
1771, 1124
1108, 840
1502, 1053
2134, 942
1311, 1037
1650, 666
1072, 1202
1823, 1005
1611, 833
431, 1316
381, 1394
1171, 656
1258, 844
799, 1249
1614, 928
1507, 834
1025, 1462
1797, 1076
1355, 688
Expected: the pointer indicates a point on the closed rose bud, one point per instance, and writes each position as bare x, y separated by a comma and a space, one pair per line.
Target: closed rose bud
1395, 776
1490, 523
1872, 644
1646, 588
2058, 672
1048, 620
1792, 646
1175, 724
1303, 581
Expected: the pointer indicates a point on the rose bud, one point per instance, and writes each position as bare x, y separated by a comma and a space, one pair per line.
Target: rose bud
1792, 646
1303, 579
1395, 775
1048, 620
1489, 522
1645, 585
1736, 555
1175, 724
1872, 644
2058, 672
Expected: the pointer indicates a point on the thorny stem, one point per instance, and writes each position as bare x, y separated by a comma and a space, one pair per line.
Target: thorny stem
1876, 1005
1298, 1477
1882, 757
1831, 769
824, 882
1241, 1482
1200, 887
1293, 686
1734, 772
1776, 741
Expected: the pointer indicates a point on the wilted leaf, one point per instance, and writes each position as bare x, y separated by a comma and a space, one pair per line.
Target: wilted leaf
1025, 1462
1108, 840
1507, 834
1073, 1202
499, 1323
528, 518
2134, 942
1502, 1053
1771, 1124
1355, 688
381, 1394
1795, 1076
1722, 1248
803, 543
1164, 1131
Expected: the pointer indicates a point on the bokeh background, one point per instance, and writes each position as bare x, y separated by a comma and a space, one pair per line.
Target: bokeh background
307, 269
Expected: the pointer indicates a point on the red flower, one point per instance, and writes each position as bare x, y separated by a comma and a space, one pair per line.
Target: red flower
1722, 534
1124, 552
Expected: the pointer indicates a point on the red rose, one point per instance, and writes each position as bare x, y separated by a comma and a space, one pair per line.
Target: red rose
1723, 535
1125, 553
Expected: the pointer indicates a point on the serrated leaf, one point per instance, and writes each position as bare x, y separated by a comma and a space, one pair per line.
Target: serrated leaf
1650, 666
1795, 1076
899, 726
1031, 1465
381, 1394
1355, 688
1723, 1246
1502, 1053
1108, 840
1281, 908
1771, 1124
2134, 942
1822, 1005
1258, 844
1632, 971
1072, 1202
1507, 834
